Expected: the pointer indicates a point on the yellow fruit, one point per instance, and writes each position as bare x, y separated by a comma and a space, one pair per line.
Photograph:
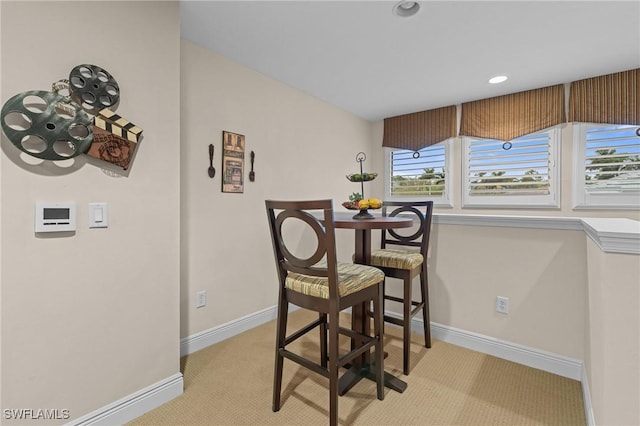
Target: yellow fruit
375, 203
363, 204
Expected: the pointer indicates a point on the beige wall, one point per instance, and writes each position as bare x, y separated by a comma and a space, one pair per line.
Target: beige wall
92, 317
303, 149
280, 125
98, 318
542, 272
613, 336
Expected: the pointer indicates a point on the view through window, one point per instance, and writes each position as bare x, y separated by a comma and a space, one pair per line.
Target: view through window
520, 172
420, 174
607, 166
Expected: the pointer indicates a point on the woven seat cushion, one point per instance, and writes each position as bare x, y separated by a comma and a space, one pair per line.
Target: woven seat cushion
351, 278
396, 258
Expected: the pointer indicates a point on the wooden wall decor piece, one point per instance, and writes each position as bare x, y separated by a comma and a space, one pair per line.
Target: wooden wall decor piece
114, 139
232, 162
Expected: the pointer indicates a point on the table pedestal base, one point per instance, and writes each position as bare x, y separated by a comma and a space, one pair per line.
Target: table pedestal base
354, 374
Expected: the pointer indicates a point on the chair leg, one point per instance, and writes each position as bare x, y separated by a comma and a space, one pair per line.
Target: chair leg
406, 324
281, 330
378, 324
323, 340
384, 289
333, 369
424, 289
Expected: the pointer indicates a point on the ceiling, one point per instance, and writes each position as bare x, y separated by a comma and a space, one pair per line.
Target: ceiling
359, 56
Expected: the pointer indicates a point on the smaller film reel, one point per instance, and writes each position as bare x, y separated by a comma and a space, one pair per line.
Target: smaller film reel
46, 125
93, 88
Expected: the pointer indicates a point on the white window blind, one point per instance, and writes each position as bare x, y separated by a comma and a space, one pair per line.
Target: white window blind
521, 172
421, 174
607, 166
612, 160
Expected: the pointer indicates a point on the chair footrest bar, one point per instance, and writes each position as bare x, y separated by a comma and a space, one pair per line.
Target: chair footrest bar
394, 320
394, 299
302, 332
353, 334
417, 309
317, 368
349, 356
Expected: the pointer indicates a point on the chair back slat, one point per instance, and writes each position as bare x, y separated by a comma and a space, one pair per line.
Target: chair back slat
281, 212
421, 212
403, 243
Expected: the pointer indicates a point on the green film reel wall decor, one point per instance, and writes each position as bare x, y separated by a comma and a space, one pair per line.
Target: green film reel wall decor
93, 88
46, 125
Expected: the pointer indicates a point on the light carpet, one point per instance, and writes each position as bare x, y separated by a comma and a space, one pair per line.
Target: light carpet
230, 383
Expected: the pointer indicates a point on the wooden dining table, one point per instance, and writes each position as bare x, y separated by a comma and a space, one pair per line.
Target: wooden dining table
362, 254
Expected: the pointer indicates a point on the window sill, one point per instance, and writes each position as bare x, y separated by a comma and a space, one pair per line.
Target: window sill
612, 235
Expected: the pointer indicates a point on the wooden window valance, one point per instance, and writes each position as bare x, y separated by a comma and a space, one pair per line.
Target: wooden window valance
611, 99
510, 116
420, 129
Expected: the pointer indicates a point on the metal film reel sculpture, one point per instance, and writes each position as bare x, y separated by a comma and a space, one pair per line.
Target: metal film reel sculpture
93, 88
75, 118
46, 125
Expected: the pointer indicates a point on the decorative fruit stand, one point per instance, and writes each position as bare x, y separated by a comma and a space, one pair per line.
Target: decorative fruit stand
357, 201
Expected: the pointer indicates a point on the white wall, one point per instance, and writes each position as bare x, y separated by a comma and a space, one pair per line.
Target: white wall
92, 317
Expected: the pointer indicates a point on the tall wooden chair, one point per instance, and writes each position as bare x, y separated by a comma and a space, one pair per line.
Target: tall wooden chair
405, 257
321, 284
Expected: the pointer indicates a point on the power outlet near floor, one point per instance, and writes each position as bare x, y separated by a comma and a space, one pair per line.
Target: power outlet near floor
502, 304
201, 298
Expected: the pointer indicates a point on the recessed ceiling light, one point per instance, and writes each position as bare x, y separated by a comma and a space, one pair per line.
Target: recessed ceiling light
498, 79
406, 8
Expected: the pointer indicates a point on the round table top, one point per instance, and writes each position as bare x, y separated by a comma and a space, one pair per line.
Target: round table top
346, 220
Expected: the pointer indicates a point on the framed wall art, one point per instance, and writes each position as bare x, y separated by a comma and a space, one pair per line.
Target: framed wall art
232, 162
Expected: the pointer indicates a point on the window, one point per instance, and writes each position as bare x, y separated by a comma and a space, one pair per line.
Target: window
519, 173
606, 166
419, 175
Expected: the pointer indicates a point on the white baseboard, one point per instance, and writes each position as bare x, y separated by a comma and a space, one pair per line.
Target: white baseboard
134, 405
205, 338
546, 361
586, 397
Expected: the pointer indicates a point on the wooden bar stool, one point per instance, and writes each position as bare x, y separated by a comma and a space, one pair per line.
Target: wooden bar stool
405, 257
319, 283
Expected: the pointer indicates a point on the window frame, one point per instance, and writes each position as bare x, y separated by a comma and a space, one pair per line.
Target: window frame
583, 200
546, 201
441, 201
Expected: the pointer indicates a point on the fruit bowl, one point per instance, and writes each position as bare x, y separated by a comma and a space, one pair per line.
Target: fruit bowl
361, 177
350, 205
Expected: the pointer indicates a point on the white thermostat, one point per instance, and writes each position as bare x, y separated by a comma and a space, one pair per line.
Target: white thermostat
55, 217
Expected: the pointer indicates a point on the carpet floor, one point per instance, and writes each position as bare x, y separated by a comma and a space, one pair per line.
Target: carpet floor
230, 383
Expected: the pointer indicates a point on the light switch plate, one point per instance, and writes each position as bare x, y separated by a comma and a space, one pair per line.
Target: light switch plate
98, 217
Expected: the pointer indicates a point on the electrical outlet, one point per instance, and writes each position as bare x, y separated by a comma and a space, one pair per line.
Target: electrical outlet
201, 299
502, 304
